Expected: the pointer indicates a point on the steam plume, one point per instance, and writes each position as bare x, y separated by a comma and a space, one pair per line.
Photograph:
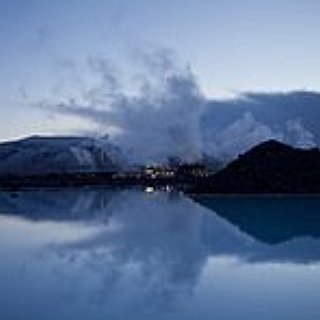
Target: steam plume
164, 114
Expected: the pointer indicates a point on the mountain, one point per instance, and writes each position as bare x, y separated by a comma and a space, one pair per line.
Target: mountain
41, 155
270, 167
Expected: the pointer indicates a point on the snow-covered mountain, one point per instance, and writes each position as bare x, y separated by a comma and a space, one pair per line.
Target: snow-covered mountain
38, 154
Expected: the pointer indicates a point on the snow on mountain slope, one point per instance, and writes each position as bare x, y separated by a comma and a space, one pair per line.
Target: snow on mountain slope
58, 154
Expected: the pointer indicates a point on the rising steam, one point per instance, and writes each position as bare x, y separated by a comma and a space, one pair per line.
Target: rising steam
164, 114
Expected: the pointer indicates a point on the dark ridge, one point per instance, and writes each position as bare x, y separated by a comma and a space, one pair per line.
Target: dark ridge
271, 167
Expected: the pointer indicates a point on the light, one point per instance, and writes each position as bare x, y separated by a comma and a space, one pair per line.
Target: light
149, 189
149, 171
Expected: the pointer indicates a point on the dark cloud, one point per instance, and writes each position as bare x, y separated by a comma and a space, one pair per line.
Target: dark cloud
250, 118
273, 108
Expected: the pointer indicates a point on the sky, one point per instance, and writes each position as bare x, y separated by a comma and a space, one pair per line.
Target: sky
231, 46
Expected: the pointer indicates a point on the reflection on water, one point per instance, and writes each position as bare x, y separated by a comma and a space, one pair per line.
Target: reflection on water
290, 217
103, 254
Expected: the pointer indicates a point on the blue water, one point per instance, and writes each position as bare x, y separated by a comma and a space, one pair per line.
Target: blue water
102, 254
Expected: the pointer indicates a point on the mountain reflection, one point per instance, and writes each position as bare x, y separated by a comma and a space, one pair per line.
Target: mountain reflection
58, 205
140, 224
269, 219
150, 250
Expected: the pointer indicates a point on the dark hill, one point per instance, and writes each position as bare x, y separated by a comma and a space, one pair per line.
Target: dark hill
271, 167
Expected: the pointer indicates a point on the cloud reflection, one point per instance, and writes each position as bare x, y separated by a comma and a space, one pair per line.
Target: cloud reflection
149, 251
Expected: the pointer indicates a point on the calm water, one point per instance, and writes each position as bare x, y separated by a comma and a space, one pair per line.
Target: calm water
132, 255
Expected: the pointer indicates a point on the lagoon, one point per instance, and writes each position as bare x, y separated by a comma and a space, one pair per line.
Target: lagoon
128, 254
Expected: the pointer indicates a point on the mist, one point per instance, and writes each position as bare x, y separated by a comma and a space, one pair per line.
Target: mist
164, 114
155, 119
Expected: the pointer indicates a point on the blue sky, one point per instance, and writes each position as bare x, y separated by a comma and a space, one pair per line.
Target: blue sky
231, 46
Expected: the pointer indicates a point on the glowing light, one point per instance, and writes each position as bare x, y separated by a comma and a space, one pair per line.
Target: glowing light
149, 189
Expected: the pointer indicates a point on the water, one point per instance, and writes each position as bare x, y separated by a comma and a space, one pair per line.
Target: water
102, 254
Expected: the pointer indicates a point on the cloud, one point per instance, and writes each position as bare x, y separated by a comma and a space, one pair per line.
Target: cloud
239, 136
158, 121
274, 109
232, 126
298, 135
162, 113
245, 132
